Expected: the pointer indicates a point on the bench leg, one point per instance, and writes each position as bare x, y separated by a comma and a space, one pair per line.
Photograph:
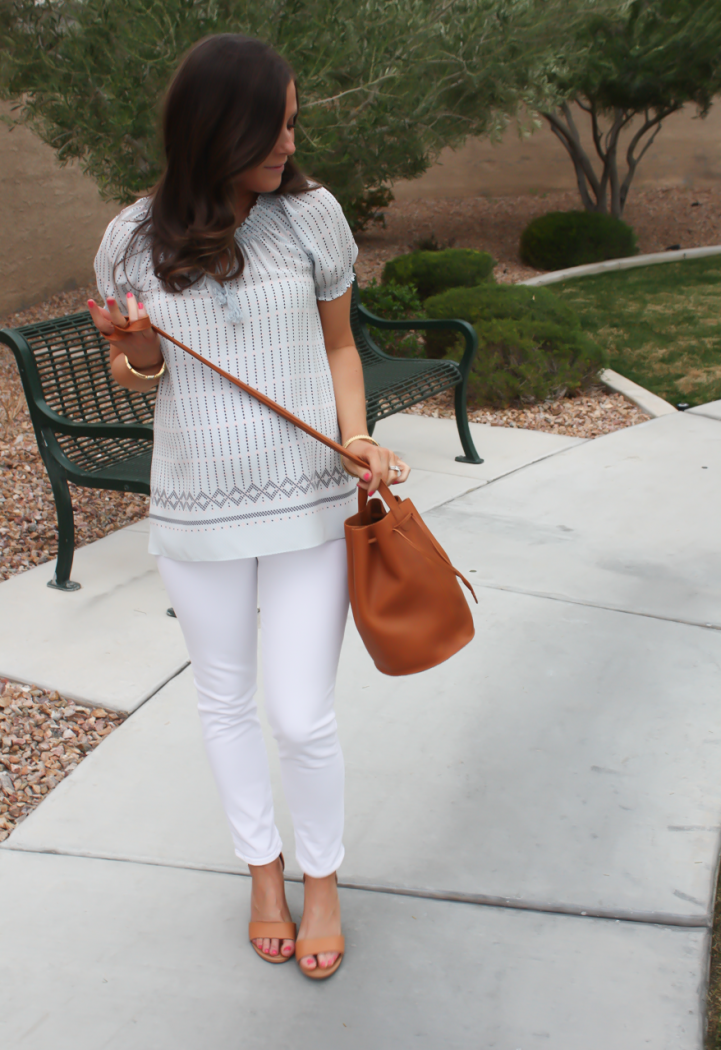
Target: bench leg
464, 431
66, 536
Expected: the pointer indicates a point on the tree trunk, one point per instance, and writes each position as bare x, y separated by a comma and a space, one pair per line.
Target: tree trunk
564, 128
606, 192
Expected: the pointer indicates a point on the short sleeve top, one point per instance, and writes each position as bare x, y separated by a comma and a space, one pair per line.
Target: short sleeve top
230, 478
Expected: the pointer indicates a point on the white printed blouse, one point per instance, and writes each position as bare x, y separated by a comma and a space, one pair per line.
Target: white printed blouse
230, 478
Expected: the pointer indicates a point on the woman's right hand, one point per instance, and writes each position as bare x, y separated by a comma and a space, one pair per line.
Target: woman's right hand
141, 349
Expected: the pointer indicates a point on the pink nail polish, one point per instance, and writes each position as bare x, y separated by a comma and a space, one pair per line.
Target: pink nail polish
140, 306
366, 476
109, 300
372, 492
91, 302
130, 295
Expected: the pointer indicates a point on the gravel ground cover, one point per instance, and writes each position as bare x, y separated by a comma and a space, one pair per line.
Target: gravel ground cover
588, 415
43, 738
661, 218
28, 530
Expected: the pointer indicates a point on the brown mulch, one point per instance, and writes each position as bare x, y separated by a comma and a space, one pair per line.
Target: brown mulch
587, 415
56, 306
28, 530
43, 738
661, 218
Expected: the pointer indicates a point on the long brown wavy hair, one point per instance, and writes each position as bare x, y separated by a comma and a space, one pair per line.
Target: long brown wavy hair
223, 113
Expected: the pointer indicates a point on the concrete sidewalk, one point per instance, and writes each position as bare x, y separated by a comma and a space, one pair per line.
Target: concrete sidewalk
532, 828
78, 642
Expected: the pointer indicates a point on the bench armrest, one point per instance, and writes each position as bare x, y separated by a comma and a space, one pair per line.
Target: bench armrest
45, 417
62, 425
436, 324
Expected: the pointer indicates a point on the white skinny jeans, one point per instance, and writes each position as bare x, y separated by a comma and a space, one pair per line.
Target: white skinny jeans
303, 599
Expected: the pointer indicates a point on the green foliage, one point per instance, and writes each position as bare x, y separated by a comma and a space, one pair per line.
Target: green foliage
646, 54
394, 302
658, 324
431, 272
641, 60
367, 208
384, 84
573, 238
531, 346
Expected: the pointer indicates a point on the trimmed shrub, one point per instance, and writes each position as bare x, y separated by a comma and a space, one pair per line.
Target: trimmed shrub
574, 238
394, 302
432, 272
531, 346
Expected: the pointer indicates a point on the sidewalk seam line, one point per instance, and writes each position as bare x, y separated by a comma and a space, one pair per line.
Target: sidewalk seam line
476, 485
595, 605
450, 896
68, 694
578, 442
157, 689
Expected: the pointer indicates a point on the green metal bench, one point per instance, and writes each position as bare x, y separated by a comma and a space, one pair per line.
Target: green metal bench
395, 383
96, 434
89, 430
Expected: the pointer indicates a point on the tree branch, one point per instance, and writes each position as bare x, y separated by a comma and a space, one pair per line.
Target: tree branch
569, 136
632, 161
610, 174
350, 91
562, 134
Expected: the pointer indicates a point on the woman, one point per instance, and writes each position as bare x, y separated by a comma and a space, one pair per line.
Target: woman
240, 257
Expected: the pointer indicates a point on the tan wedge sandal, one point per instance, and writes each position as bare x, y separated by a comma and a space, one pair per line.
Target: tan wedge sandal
313, 945
284, 931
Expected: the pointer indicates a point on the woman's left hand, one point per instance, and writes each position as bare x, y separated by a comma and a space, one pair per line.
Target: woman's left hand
383, 465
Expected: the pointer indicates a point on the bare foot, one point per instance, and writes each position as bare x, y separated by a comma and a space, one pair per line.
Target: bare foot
268, 904
321, 918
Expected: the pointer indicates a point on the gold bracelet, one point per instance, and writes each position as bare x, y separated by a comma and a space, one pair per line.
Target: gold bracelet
361, 437
142, 375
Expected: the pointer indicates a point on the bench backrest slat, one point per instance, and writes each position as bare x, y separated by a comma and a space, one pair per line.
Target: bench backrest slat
71, 360
370, 354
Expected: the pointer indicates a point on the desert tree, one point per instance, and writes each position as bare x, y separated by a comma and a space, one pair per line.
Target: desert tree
627, 68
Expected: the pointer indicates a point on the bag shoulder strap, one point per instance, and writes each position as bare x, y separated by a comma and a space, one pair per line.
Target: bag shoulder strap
144, 323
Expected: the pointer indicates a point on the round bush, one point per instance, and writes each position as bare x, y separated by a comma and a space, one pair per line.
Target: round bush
573, 238
530, 344
394, 302
433, 272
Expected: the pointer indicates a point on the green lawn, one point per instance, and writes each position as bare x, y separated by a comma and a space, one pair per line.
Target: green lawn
660, 324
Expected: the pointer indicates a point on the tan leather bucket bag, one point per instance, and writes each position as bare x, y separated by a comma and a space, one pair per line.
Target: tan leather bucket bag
407, 604
406, 600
